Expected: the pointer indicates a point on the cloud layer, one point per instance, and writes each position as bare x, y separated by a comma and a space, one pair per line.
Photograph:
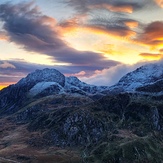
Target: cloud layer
26, 26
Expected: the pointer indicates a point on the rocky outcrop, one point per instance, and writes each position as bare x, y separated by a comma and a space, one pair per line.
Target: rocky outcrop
92, 122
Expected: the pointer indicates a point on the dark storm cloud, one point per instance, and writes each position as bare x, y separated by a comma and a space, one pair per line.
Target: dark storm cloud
26, 26
152, 34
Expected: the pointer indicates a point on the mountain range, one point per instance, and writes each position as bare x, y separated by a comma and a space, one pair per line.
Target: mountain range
47, 117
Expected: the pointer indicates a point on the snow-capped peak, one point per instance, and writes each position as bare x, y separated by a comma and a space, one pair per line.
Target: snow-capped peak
144, 75
45, 75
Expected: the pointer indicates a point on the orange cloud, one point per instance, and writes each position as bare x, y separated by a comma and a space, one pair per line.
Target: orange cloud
153, 35
131, 24
113, 38
72, 25
151, 56
127, 33
125, 8
113, 8
115, 32
68, 26
159, 3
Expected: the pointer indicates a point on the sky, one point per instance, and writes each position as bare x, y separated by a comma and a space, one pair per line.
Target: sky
98, 41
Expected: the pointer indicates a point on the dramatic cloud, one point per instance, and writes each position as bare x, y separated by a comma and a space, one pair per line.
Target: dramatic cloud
118, 27
152, 35
100, 20
27, 27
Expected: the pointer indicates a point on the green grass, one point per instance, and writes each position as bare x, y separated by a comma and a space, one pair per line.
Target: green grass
128, 151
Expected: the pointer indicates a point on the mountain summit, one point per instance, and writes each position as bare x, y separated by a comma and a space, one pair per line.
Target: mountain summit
42, 83
142, 76
45, 75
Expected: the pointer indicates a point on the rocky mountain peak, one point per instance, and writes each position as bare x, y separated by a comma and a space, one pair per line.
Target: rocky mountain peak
45, 75
142, 76
73, 80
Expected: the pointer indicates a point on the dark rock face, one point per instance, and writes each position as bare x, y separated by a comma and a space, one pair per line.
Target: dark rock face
80, 128
65, 126
12, 98
155, 87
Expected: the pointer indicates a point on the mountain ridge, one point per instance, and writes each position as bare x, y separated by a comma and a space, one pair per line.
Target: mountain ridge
102, 124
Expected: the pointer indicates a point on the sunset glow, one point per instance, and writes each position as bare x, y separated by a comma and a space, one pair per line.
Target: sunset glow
78, 38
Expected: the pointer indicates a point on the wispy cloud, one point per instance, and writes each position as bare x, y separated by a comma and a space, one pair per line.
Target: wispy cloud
114, 6
25, 25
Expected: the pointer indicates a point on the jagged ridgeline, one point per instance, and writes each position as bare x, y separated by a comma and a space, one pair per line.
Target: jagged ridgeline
47, 116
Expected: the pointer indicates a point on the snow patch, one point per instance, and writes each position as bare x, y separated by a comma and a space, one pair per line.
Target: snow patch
39, 87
